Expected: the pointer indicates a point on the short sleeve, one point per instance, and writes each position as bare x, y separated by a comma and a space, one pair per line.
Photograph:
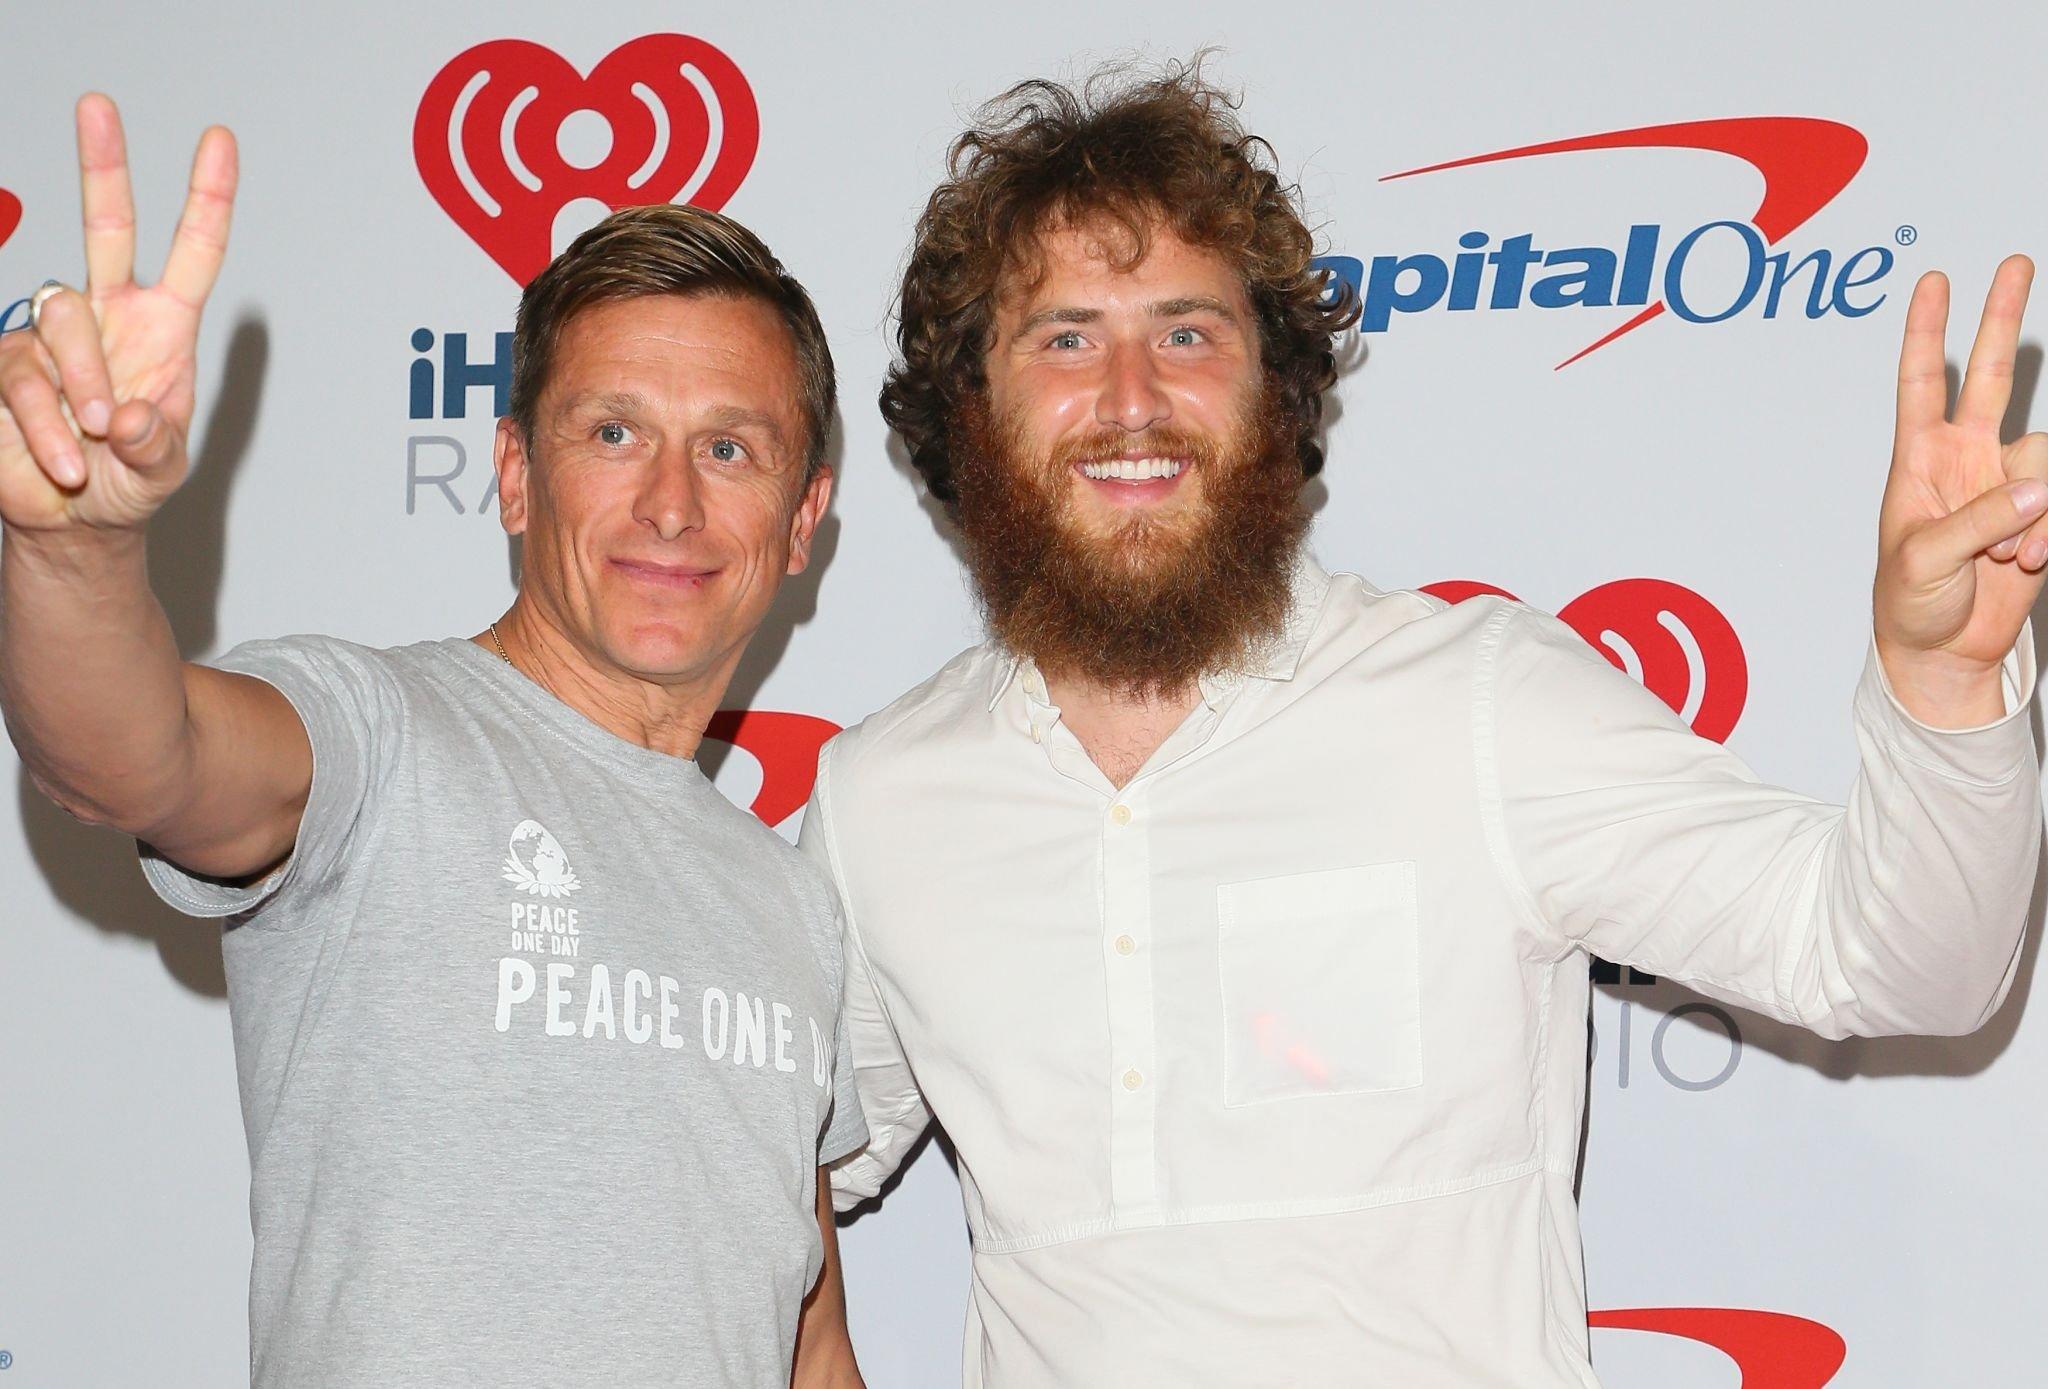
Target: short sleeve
349, 703
846, 1130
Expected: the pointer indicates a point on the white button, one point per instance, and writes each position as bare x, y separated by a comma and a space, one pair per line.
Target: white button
1132, 1080
1037, 735
1121, 814
1125, 945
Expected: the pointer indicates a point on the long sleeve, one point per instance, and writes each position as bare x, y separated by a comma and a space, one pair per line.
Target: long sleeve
1901, 912
889, 1097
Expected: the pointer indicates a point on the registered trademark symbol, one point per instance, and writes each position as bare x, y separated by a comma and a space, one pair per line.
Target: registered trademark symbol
1907, 234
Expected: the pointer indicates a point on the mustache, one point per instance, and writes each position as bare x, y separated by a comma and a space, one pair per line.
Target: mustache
1107, 444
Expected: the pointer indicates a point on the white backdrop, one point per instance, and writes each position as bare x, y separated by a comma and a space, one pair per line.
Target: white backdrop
1885, 1189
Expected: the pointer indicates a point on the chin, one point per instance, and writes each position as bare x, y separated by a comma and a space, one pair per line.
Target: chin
658, 649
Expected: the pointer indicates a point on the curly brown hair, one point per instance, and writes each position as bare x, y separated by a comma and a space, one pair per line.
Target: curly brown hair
1132, 152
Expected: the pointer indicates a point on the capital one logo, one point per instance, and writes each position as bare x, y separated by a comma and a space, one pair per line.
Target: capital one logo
1771, 1350
1671, 640
509, 134
1804, 163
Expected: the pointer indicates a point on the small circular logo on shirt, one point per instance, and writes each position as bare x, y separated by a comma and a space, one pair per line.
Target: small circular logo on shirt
535, 863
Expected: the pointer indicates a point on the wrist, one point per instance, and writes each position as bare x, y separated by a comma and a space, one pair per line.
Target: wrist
1942, 690
71, 554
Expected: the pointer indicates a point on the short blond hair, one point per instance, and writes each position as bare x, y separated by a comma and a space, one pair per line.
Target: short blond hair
669, 248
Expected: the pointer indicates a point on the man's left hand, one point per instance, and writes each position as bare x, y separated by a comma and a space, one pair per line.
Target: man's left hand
1963, 534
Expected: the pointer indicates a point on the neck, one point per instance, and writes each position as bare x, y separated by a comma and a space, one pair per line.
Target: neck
1118, 728
662, 715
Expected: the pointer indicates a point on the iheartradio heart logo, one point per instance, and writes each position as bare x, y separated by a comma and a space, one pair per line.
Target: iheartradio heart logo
509, 133
1676, 643
786, 746
10, 215
1772, 1350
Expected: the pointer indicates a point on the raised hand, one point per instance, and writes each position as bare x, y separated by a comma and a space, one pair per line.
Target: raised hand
1962, 540
96, 400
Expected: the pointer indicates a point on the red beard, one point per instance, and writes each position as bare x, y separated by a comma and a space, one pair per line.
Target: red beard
1152, 607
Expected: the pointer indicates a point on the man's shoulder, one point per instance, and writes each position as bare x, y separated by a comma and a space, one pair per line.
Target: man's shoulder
317, 652
929, 719
1359, 616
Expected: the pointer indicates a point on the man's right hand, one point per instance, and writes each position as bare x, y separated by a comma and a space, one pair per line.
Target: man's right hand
211, 767
120, 357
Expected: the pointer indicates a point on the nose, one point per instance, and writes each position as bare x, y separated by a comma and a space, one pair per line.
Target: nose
1131, 397
671, 498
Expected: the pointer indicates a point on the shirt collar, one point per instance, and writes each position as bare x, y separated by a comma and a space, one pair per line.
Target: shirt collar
1276, 659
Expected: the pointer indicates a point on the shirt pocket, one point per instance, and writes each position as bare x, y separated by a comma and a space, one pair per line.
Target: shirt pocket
1321, 984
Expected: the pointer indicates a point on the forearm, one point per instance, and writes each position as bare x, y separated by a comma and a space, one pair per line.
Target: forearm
90, 680
824, 1350
1933, 871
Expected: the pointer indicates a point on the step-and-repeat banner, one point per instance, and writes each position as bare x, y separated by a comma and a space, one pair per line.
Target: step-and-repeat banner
1633, 280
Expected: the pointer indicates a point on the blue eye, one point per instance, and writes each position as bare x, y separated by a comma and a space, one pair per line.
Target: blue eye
611, 433
1183, 337
1066, 340
726, 450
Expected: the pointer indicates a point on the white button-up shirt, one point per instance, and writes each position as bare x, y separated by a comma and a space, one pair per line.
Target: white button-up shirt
1268, 1067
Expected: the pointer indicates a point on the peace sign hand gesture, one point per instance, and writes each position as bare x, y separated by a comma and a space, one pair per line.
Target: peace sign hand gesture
1962, 539
96, 401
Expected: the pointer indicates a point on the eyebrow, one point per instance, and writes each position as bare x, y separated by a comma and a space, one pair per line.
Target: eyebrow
1194, 303
1045, 316
602, 402
740, 417
1165, 308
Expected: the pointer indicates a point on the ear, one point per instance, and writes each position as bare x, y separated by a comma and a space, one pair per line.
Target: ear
809, 511
509, 459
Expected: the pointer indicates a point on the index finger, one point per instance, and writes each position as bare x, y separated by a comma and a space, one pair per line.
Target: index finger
109, 203
1923, 361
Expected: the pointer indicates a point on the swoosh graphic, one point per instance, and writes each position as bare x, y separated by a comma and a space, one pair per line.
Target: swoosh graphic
1772, 1349
1804, 161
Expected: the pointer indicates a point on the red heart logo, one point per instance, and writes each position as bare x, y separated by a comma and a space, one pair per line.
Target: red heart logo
10, 215
487, 138
1675, 642
1771, 1349
786, 746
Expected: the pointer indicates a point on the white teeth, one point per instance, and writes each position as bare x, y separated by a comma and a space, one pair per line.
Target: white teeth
1132, 469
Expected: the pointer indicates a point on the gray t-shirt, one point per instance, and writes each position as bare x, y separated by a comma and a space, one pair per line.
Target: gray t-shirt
539, 1045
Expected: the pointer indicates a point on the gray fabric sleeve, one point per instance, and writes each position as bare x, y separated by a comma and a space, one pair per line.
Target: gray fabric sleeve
348, 702
847, 1130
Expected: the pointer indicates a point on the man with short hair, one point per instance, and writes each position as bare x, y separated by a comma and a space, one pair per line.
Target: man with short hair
539, 1036
1232, 916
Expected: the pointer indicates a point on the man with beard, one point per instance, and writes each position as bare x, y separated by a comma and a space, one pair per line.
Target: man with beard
1233, 917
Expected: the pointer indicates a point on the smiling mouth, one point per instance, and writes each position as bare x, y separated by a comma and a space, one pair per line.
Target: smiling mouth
1133, 469
666, 575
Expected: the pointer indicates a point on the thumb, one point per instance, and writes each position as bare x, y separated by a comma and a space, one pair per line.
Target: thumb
1996, 515
147, 442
